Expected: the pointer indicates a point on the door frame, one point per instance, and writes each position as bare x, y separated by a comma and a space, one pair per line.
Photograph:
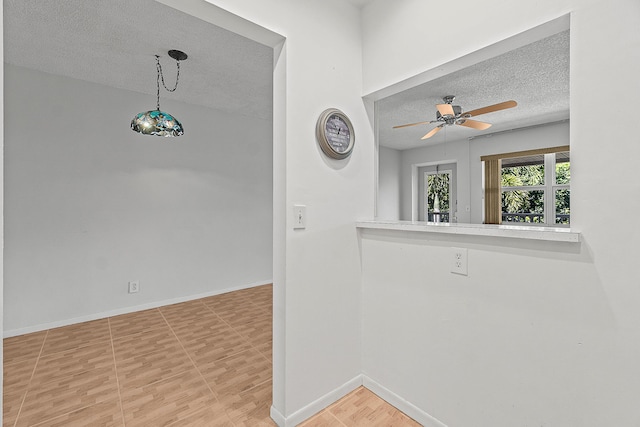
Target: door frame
415, 184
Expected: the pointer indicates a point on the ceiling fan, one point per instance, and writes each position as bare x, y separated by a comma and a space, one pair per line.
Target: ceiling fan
448, 115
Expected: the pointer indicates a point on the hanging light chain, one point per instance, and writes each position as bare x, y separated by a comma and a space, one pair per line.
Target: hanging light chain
160, 77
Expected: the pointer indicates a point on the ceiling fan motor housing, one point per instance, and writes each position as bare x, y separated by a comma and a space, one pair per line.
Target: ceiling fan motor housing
446, 118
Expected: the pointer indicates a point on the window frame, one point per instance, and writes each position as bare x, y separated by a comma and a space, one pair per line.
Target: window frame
493, 185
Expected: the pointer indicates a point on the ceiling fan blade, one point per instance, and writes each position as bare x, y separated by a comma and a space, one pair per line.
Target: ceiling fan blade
445, 109
490, 108
432, 132
411, 124
474, 124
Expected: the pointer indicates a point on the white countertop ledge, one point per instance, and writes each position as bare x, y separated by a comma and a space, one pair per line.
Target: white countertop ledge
555, 234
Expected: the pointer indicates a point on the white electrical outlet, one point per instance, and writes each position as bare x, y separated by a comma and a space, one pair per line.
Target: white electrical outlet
299, 216
459, 261
134, 286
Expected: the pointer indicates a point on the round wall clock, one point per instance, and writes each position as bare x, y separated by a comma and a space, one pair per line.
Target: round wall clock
335, 135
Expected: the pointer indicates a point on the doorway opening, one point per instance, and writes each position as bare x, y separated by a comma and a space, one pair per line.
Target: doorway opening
437, 198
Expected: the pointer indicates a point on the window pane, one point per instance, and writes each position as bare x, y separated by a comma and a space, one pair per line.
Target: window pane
523, 206
438, 197
563, 210
563, 170
514, 176
438, 217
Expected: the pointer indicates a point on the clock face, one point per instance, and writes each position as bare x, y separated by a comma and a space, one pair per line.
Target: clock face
337, 133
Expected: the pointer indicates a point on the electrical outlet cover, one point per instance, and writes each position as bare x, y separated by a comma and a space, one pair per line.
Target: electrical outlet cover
459, 261
134, 287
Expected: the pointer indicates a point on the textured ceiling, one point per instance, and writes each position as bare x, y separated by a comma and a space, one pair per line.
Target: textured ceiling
114, 42
360, 3
536, 76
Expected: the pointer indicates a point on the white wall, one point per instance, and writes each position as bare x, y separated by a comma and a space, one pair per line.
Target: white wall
389, 183
538, 333
317, 306
91, 205
1, 193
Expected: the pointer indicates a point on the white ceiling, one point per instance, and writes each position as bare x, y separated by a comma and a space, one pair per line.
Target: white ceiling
536, 76
114, 42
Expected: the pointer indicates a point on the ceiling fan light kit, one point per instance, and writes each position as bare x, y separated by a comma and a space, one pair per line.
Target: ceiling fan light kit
448, 114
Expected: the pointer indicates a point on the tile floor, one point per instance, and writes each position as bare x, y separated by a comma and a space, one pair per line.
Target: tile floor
205, 362
360, 408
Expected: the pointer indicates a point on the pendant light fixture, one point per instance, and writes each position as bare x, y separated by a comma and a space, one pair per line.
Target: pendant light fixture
157, 122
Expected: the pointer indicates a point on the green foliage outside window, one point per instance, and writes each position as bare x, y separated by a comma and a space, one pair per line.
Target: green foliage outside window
521, 201
562, 196
562, 206
524, 175
531, 202
563, 173
438, 184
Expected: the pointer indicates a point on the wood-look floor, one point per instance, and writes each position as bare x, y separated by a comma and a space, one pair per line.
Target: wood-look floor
205, 362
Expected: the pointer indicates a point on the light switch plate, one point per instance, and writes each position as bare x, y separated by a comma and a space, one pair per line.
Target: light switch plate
299, 217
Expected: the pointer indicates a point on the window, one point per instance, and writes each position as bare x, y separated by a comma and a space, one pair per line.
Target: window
528, 187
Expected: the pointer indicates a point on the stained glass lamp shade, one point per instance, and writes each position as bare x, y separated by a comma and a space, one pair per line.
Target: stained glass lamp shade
157, 122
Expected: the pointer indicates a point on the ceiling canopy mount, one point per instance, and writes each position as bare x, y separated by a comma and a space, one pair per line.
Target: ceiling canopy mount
178, 55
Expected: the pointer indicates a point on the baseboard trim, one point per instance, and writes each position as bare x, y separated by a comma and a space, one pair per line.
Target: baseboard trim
126, 310
316, 406
405, 406
277, 417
